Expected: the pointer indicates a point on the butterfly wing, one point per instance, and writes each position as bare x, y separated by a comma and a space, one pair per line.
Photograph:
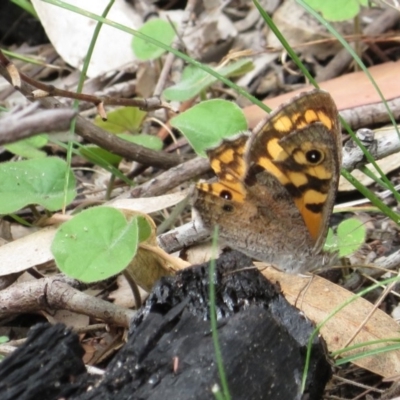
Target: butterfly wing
227, 161
299, 145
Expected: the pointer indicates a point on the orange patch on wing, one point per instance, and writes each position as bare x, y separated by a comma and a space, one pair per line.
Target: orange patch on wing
312, 220
319, 172
328, 122
297, 178
270, 167
283, 124
310, 116
275, 150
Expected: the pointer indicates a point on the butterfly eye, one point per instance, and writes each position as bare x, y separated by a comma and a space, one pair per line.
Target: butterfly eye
314, 156
225, 194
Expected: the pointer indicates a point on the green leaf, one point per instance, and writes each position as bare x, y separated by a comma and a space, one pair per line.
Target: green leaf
157, 29
149, 141
28, 148
201, 127
338, 10
39, 181
96, 244
125, 119
349, 237
4, 339
194, 80
144, 229
93, 153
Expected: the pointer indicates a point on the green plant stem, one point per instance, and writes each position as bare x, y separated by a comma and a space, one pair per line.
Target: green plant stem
27, 6
20, 220
213, 319
82, 78
365, 170
177, 211
35, 211
332, 314
151, 40
110, 187
371, 197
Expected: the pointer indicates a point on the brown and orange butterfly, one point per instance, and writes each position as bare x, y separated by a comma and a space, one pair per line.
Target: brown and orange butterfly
276, 186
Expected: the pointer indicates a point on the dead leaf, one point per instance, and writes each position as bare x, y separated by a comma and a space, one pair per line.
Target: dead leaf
71, 33
150, 262
359, 90
30, 251
149, 204
68, 318
319, 298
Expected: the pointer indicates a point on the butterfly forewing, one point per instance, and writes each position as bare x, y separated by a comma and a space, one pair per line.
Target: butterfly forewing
299, 144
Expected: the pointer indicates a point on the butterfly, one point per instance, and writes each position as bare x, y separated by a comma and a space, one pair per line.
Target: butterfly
276, 187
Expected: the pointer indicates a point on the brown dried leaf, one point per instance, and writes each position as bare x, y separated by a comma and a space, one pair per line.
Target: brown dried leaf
319, 298
150, 262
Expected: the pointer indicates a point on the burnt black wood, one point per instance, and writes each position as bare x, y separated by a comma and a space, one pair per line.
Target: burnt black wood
263, 341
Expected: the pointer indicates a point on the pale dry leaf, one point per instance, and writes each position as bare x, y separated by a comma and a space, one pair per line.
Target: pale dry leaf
319, 298
71, 33
69, 318
149, 205
201, 253
29, 251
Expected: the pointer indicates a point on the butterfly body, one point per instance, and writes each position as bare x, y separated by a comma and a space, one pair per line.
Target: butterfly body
276, 187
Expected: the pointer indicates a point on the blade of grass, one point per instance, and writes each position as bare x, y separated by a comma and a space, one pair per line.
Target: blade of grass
371, 197
333, 313
82, 78
356, 58
99, 161
213, 319
27, 6
360, 63
300, 65
149, 39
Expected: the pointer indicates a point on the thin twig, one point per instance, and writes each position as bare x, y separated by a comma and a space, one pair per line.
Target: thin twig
21, 124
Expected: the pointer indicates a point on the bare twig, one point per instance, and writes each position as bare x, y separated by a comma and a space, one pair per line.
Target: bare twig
172, 178
55, 293
177, 44
22, 124
369, 115
384, 146
45, 90
342, 59
96, 135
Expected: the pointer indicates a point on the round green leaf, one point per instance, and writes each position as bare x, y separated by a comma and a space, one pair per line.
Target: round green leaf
144, 229
194, 80
338, 10
96, 244
149, 141
124, 119
201, 127
94, 153
349, 237
157, 29
39, 181
28, 148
